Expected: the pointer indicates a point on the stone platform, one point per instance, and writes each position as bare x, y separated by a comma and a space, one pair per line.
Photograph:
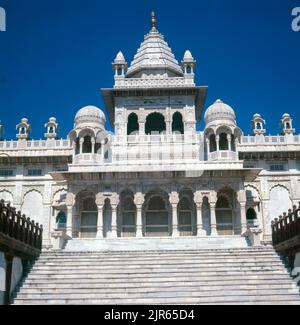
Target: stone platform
156, 243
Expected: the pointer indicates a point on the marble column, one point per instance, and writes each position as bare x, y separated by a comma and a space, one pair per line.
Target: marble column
175, 232
93, 141
69, 227
114, 229
81, 141
139, 222
139, 201
174, 200
100, 221
208, 147
218, 142
243, 217
213, 220
200, 229
229, 142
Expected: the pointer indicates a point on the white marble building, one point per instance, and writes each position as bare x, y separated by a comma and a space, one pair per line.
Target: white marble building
156, 175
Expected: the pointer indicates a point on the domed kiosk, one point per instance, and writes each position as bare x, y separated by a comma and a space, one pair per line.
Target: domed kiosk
221, 132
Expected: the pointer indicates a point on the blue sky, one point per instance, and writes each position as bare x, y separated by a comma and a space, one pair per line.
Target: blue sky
57, 54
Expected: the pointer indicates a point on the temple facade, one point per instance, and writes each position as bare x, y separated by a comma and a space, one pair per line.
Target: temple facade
156, 175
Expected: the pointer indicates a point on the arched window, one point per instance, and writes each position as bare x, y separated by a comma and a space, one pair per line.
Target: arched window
287, 125
89, 218
251, 216
157, 219
212, 143
224, 216
87, 145
132, 123
155, 122
61, 219
223, 141
23, 130
128, 217
51, 129
188, 69
185, 217
177, 124
258, 126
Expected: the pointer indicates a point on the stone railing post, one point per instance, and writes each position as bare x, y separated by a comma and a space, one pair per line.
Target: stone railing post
174, 200
139, 201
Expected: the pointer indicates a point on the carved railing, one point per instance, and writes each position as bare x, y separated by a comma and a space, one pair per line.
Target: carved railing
286, 235
16, 226
286, 226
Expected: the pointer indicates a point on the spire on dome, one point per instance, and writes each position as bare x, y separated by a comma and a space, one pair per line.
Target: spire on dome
154, 56
153, 20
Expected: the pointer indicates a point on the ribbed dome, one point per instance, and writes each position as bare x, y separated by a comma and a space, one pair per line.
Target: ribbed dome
220, 112
90, 116
188, 56
154, 53
120, 57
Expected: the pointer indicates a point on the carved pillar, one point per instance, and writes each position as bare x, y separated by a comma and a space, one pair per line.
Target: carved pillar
139, 201
218, 142
93, 141
243, 217
81, 141
100, 207
70, 202
174, 200
213, 220
208, 147
114, 226
100, 221
198, 201
229, 142
241, 197
69, 226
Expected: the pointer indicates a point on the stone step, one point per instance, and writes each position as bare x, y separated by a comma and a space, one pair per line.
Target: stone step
139, 264
228, 280
120, 284
165, 269
180, 287
180, 295
161, 253
157, 278
156, 243
143, 277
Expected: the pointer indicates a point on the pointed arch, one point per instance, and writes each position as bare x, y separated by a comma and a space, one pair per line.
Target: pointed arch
177, 123
155, 122
132, 124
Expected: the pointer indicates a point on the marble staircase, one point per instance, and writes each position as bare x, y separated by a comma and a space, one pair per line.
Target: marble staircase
245, 275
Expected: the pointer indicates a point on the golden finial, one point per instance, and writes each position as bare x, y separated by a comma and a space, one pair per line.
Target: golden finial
153, 20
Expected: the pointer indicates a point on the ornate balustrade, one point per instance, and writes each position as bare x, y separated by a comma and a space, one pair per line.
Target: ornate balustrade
18, 227
286, 233
272, 140
19, 237
36, 144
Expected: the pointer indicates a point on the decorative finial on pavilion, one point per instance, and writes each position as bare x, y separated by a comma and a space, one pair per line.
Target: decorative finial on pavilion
153, 20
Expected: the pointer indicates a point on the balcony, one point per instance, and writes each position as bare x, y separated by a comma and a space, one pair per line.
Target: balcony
222, 155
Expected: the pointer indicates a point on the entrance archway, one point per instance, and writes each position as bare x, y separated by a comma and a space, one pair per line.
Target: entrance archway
128, 216
155, 123
157, 221
224, 216
89, 215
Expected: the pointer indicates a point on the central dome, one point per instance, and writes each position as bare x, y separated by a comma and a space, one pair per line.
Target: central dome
90, 116
219, 112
